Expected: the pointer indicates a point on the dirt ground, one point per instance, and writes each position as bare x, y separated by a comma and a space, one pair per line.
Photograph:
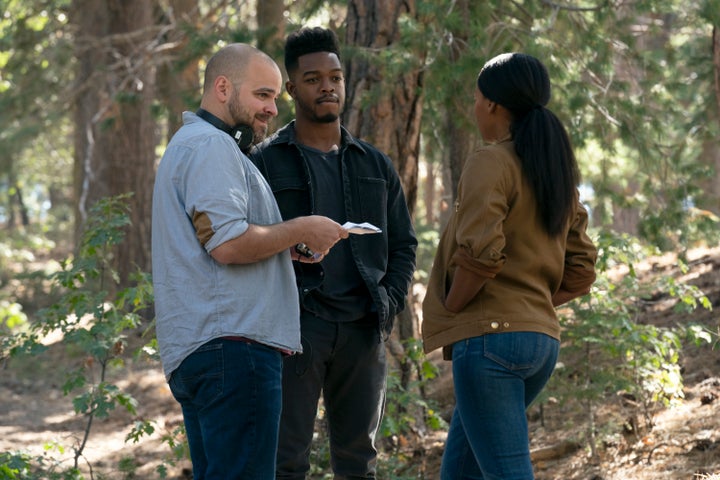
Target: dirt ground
683, 444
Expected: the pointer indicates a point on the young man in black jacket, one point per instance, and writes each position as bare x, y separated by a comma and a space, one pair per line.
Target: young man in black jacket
350, 298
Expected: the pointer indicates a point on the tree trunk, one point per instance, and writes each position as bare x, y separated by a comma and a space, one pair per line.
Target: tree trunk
459, 110
430, 191
460, 144
271, 28
91, 20
710, 199
178, 81
716, 65
382, 108
711, 150
114, 138
272, 23
385, 109
22, 208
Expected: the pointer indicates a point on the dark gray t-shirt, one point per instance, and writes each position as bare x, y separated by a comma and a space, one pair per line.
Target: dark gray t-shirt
343, 295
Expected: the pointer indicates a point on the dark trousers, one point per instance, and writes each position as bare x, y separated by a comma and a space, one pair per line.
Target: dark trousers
346, 362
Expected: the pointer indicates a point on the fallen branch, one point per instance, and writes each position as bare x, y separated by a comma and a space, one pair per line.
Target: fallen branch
554, 452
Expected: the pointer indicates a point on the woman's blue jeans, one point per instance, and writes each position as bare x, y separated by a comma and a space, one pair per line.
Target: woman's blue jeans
496, 377
230, 393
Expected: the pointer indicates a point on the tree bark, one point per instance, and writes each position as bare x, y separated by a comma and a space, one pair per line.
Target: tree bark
460, 144
271, 40
16, 204
713, 151
91, 19
458, 110
271, 28
382, 108
554, 452
114, 137
385, 108
716, 65
177, 78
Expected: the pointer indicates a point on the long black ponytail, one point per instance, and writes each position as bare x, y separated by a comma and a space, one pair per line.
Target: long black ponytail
520, 83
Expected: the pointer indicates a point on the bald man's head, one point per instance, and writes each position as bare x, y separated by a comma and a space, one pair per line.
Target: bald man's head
232, 62
240, 88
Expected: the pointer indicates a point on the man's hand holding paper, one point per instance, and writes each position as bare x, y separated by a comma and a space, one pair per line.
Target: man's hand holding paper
361, 228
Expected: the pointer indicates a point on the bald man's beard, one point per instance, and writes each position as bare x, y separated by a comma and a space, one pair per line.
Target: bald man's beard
242, 116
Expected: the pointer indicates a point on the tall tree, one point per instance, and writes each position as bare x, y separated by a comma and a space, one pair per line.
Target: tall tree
384, 84
384, 78
115, 131
33, 92
177, 74
640, 154
271, 22
459, 122
711, 148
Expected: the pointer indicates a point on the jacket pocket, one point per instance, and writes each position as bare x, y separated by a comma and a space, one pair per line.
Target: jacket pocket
373, 201
292, 197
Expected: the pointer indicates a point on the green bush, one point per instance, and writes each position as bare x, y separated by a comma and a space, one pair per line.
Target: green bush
94, 323
609, 351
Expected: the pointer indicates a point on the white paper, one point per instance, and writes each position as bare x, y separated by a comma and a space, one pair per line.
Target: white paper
361, 228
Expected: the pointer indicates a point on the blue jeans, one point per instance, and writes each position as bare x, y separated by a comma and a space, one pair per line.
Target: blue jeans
230, 394
496, 377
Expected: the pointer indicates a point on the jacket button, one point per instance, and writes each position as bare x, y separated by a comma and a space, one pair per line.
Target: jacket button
506, 325
494, 325
305, 290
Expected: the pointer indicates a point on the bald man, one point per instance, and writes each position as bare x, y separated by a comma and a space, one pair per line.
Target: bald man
225, 295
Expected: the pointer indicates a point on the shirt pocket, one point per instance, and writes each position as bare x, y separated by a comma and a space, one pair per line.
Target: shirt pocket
261, 208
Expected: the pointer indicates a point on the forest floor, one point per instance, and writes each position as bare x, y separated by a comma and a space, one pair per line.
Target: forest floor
682, 443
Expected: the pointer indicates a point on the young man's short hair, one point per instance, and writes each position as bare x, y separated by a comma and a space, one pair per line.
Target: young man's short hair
309, 40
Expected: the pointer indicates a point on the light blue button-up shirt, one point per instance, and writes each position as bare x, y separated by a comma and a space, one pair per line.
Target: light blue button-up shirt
196, 298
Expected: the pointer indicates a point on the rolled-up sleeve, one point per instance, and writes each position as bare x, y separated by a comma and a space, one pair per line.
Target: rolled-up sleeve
580, 255
218, 193
482, 207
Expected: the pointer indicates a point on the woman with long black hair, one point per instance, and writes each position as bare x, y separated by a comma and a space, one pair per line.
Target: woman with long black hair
514, 248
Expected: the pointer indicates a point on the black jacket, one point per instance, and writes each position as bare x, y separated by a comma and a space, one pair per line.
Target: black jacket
372, 193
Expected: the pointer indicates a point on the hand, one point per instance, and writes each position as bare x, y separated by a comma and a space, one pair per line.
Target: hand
563, 296
316, 258
321, 233
302, 253
452, 307
465, 286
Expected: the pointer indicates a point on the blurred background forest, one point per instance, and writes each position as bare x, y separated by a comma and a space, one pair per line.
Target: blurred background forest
91, 91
